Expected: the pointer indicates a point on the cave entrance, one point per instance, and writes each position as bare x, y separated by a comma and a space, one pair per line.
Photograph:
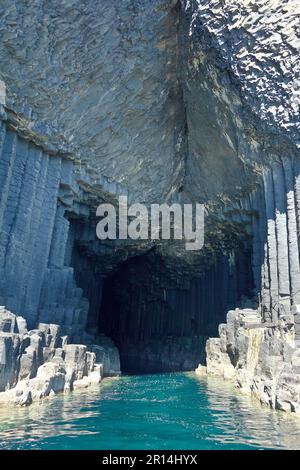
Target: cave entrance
148, 319
160, 321
158, 307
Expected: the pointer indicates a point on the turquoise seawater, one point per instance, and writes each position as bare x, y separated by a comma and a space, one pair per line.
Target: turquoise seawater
163, 411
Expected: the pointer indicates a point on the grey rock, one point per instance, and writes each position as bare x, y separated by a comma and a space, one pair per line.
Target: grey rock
31, 371
21, 325
24, 399
9, 352
28, 364
75, 359
162, 101
267, 365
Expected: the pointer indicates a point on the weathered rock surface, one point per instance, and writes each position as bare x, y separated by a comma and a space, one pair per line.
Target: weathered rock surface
162, 101
261, 358
103, 64
28, 372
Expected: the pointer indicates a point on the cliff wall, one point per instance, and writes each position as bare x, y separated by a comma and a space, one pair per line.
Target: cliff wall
190, 101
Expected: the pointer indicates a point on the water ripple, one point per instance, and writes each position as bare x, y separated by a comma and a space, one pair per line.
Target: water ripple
165, 411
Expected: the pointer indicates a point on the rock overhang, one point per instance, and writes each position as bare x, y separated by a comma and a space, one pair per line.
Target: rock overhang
172, 107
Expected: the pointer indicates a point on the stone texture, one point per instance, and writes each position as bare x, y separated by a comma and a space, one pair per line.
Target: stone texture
31, 371
138, 46
261, 359
162, 101
219, 363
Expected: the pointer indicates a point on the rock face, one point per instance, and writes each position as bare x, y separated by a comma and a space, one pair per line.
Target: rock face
39, 363
102, 63
162, 101
262, 358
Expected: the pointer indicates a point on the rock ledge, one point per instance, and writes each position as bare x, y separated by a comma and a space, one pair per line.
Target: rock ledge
40, 363
262, 359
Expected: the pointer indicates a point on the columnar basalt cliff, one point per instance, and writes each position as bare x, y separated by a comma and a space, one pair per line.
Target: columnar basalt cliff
162, 101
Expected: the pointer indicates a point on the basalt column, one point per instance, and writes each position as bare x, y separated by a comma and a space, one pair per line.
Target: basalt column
35, 280
275, 247
160, 321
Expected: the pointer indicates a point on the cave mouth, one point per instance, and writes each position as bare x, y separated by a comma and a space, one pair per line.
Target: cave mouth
160, 321
142, 320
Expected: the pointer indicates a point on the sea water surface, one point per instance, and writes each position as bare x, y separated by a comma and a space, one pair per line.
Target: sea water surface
163, 411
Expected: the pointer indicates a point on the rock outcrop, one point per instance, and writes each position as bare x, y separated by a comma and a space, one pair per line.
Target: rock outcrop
39, 363
262, 358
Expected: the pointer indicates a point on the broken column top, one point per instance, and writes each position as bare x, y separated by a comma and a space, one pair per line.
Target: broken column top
2, 92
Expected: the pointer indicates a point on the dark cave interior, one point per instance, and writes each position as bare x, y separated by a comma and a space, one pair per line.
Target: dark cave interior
158, 317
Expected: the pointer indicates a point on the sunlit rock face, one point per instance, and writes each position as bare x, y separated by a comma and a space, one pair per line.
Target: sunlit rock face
35, 364
164, 101
240, 84
259, 43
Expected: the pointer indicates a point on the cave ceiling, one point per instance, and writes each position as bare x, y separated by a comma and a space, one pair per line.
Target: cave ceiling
164, 97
